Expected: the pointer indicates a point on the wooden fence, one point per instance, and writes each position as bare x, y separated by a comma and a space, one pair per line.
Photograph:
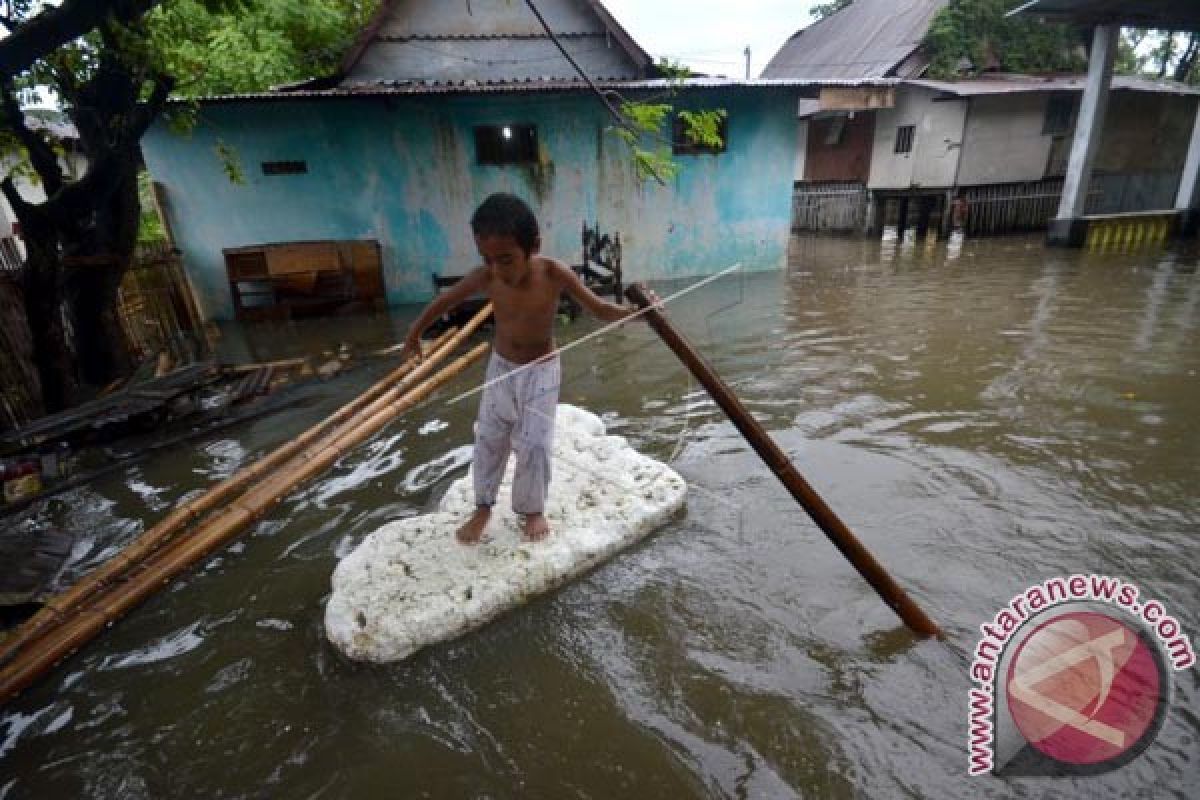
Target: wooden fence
1015, 207
1011, 207
156, 309
835, 206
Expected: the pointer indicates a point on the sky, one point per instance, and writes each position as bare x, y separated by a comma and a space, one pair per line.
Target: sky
710, 35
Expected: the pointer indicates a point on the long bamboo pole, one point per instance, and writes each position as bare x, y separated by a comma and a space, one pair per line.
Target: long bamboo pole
65, 639
760, 440
406, 375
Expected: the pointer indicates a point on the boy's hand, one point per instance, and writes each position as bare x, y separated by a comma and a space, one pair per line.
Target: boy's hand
411, 350
656, 302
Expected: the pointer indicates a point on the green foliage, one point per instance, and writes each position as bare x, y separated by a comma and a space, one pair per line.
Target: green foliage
255, 45
978, 32
646, 128
230, 163
150, 227
822, 10
704, 127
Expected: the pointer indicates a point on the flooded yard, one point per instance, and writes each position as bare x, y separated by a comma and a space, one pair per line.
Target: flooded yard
983, 414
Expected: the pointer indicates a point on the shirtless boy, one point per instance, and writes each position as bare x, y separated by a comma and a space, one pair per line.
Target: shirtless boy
516, 412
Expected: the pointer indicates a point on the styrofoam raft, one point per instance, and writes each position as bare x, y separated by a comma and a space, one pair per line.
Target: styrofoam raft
411, 584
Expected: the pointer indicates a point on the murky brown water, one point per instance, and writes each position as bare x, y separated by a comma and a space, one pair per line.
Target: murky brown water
985, 417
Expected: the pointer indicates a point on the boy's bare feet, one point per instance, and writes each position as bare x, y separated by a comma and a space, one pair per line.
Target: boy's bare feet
472, 530
536, 527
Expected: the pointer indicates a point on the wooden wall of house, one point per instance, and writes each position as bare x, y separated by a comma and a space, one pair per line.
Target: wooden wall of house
839, 148
932, 159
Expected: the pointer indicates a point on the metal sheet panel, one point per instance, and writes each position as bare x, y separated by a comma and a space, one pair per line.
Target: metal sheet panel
867, 39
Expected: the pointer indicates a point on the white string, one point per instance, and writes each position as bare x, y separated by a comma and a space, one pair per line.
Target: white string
594, 334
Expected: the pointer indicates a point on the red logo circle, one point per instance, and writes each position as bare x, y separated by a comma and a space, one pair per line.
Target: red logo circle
1084, 688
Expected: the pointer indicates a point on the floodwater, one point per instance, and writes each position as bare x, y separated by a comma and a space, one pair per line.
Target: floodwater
985, 415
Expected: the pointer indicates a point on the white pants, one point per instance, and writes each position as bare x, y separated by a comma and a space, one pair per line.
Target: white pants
517, 414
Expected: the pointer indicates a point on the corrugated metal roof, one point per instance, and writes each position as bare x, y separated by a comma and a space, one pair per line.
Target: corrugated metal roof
867, 39
430, 41
410, 88
1058, 83
1164, 14
500, 58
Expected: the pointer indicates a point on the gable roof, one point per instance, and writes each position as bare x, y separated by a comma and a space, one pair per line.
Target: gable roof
490, 41
868, 39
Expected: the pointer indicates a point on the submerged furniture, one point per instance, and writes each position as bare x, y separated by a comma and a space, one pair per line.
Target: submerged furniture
600, 272
289, 279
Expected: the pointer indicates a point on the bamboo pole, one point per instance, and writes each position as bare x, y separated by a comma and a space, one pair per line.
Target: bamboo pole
54, 609
63, 640
760, 440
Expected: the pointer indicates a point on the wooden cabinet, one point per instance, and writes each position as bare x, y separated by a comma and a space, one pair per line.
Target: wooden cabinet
305, 278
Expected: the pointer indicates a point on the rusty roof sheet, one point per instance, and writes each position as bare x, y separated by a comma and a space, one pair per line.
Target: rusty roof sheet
418, 88
867, 39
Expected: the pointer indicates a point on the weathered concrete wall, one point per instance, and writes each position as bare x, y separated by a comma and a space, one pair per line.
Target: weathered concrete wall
403, 171
1004, 142
933, 160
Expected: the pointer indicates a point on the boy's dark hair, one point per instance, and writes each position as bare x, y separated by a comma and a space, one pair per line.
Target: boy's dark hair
507, 215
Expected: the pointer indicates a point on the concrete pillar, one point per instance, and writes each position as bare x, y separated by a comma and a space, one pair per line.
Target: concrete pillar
1186, 199
1068, 229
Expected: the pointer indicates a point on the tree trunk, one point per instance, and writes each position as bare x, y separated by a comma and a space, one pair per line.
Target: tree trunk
43, 312
101, 343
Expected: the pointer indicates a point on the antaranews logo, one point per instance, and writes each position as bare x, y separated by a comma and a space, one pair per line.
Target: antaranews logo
1071, 678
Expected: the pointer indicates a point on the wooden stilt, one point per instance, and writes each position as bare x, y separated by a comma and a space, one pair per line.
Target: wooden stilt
822, 514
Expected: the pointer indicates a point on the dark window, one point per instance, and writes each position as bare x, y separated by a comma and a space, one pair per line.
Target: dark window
284, 167
683, 146
904, 138
835, 132
497, 145
1059, 111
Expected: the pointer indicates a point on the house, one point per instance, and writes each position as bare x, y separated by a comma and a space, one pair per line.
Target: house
899, 155
1073, 225
438, 105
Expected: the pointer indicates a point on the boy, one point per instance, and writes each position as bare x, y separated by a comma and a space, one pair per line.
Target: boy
516, 412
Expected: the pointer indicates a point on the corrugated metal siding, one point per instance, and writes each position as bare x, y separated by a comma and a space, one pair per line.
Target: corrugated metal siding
867, 39
490, 40
488, 17
458, 59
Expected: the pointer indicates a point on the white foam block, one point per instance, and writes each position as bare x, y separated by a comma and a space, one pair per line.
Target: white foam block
411, 584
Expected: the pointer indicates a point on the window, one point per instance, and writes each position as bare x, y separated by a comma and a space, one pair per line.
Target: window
681, 145
904, 138
284, 167
497, 145
836, 131
1060, 108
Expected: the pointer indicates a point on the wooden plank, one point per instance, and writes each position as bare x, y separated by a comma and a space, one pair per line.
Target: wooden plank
290, 259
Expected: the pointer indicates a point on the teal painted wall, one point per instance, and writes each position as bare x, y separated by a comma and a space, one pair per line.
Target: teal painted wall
403, 171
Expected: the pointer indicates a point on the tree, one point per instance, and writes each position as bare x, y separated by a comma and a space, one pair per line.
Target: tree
973, 36
822, 10
113, 82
